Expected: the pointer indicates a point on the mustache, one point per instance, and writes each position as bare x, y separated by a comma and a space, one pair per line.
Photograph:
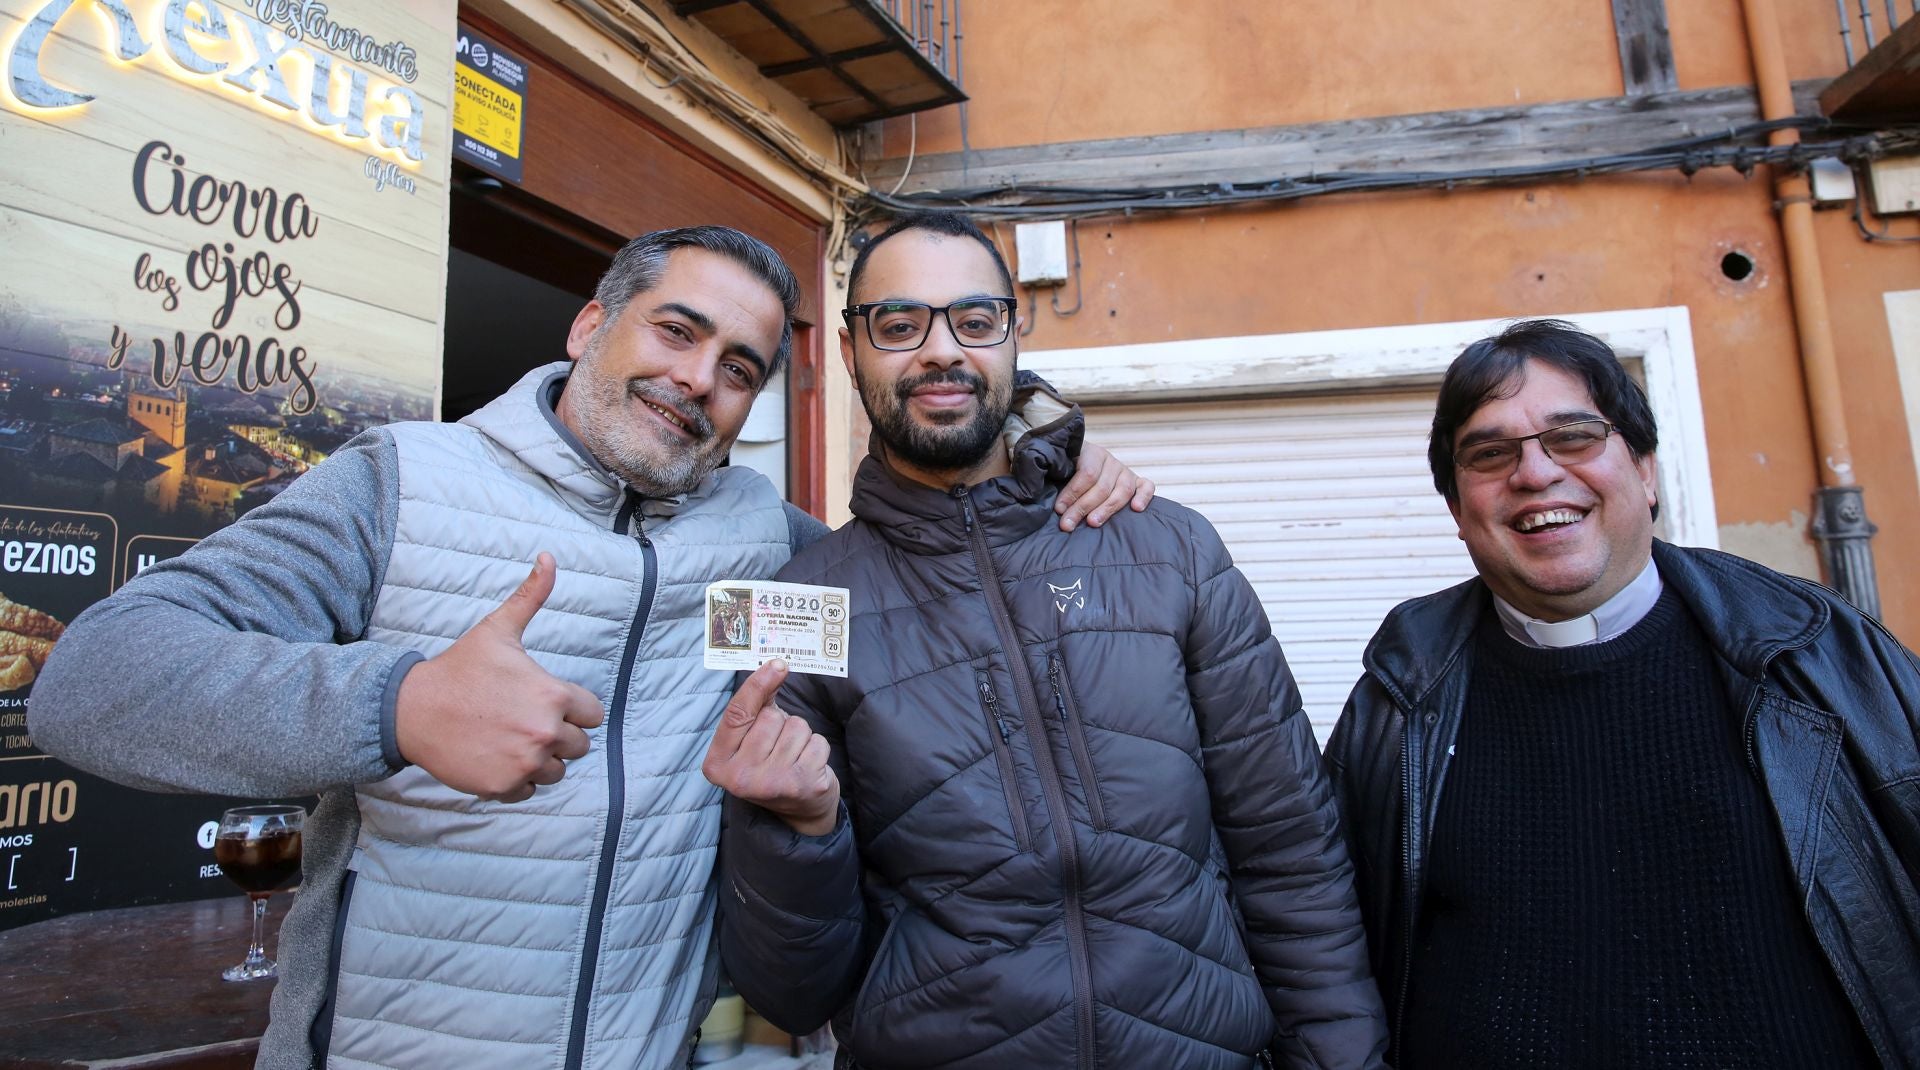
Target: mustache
653, 393
904, 388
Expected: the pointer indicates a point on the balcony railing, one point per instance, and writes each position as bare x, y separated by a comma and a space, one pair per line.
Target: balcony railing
852, 61
1861, 14
935, 30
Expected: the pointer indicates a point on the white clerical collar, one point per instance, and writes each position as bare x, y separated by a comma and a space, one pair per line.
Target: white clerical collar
1611, 619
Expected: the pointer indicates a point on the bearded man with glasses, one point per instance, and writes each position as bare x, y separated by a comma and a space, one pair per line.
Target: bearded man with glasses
1616, 803
1085, 824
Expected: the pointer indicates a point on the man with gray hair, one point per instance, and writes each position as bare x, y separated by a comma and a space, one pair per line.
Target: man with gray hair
510, 862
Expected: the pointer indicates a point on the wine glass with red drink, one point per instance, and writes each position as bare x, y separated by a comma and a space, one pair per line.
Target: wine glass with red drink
258, 848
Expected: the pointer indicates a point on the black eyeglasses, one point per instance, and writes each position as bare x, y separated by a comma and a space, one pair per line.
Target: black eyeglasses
1572, 443
900, 326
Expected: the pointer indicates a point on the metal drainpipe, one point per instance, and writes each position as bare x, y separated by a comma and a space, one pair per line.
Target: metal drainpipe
1840, 524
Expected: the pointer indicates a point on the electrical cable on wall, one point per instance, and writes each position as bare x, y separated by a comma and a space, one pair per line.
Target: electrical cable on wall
1079, 295
913, 146
1885, 233
1033, 303
646, 69
1733, 148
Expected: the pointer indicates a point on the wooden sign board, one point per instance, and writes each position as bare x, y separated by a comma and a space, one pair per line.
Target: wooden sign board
223, 241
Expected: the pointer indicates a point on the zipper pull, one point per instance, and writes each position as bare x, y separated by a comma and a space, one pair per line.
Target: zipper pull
959, 492
993, 710
631, 519
1053, 678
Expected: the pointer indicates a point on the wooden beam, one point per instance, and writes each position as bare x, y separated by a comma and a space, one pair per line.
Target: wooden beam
799, 37
1436, 141
1646, 49
1884, 85
780, 70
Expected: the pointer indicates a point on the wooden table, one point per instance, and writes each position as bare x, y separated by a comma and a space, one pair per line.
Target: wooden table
136, 988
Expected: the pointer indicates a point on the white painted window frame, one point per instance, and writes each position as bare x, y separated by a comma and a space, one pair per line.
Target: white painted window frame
1903, 322
1659, 340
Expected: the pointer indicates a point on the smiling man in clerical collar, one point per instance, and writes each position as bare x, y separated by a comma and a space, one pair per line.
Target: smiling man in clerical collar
1597, 794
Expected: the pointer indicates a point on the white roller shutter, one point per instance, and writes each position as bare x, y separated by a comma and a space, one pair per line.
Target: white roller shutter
1326, 504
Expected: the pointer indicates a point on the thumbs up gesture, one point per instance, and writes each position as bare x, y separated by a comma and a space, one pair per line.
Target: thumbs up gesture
485, 718
767, 757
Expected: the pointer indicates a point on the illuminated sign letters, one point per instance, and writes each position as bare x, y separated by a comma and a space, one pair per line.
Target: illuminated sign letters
267, 60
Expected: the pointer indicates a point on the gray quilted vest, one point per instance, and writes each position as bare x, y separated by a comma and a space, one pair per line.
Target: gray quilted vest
573, 929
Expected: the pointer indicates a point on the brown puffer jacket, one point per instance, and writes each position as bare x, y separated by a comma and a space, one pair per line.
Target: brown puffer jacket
1081, 794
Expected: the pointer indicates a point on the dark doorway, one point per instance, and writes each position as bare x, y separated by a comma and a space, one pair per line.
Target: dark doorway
517, 273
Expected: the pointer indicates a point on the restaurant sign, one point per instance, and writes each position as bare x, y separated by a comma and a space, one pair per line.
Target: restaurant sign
280, 52
222, 252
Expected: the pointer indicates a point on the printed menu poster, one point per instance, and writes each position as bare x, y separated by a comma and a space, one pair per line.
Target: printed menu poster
223, 230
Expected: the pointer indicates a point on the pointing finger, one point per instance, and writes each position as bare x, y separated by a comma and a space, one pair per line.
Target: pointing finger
745, 706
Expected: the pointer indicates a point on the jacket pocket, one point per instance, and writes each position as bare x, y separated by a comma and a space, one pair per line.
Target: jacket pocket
1069, 711
1002, 739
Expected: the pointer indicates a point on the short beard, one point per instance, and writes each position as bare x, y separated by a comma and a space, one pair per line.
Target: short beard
649, 462
949, 447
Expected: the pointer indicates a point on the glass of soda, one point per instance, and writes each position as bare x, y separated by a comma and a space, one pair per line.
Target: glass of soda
258, 848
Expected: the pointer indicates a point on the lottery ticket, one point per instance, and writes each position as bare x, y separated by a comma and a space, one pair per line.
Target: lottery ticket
750, 622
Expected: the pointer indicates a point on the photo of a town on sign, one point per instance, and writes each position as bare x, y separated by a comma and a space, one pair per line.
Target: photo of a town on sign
76, 433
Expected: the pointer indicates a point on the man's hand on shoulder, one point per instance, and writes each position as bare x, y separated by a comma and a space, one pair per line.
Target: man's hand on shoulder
1101, 486
485, 718
763, 755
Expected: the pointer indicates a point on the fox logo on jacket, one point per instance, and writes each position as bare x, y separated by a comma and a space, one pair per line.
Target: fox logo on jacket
1072, 595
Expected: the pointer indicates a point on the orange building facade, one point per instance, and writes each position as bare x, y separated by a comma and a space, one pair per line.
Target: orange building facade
1120, 93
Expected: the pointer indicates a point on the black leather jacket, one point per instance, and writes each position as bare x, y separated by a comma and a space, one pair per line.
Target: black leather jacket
1832, 712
